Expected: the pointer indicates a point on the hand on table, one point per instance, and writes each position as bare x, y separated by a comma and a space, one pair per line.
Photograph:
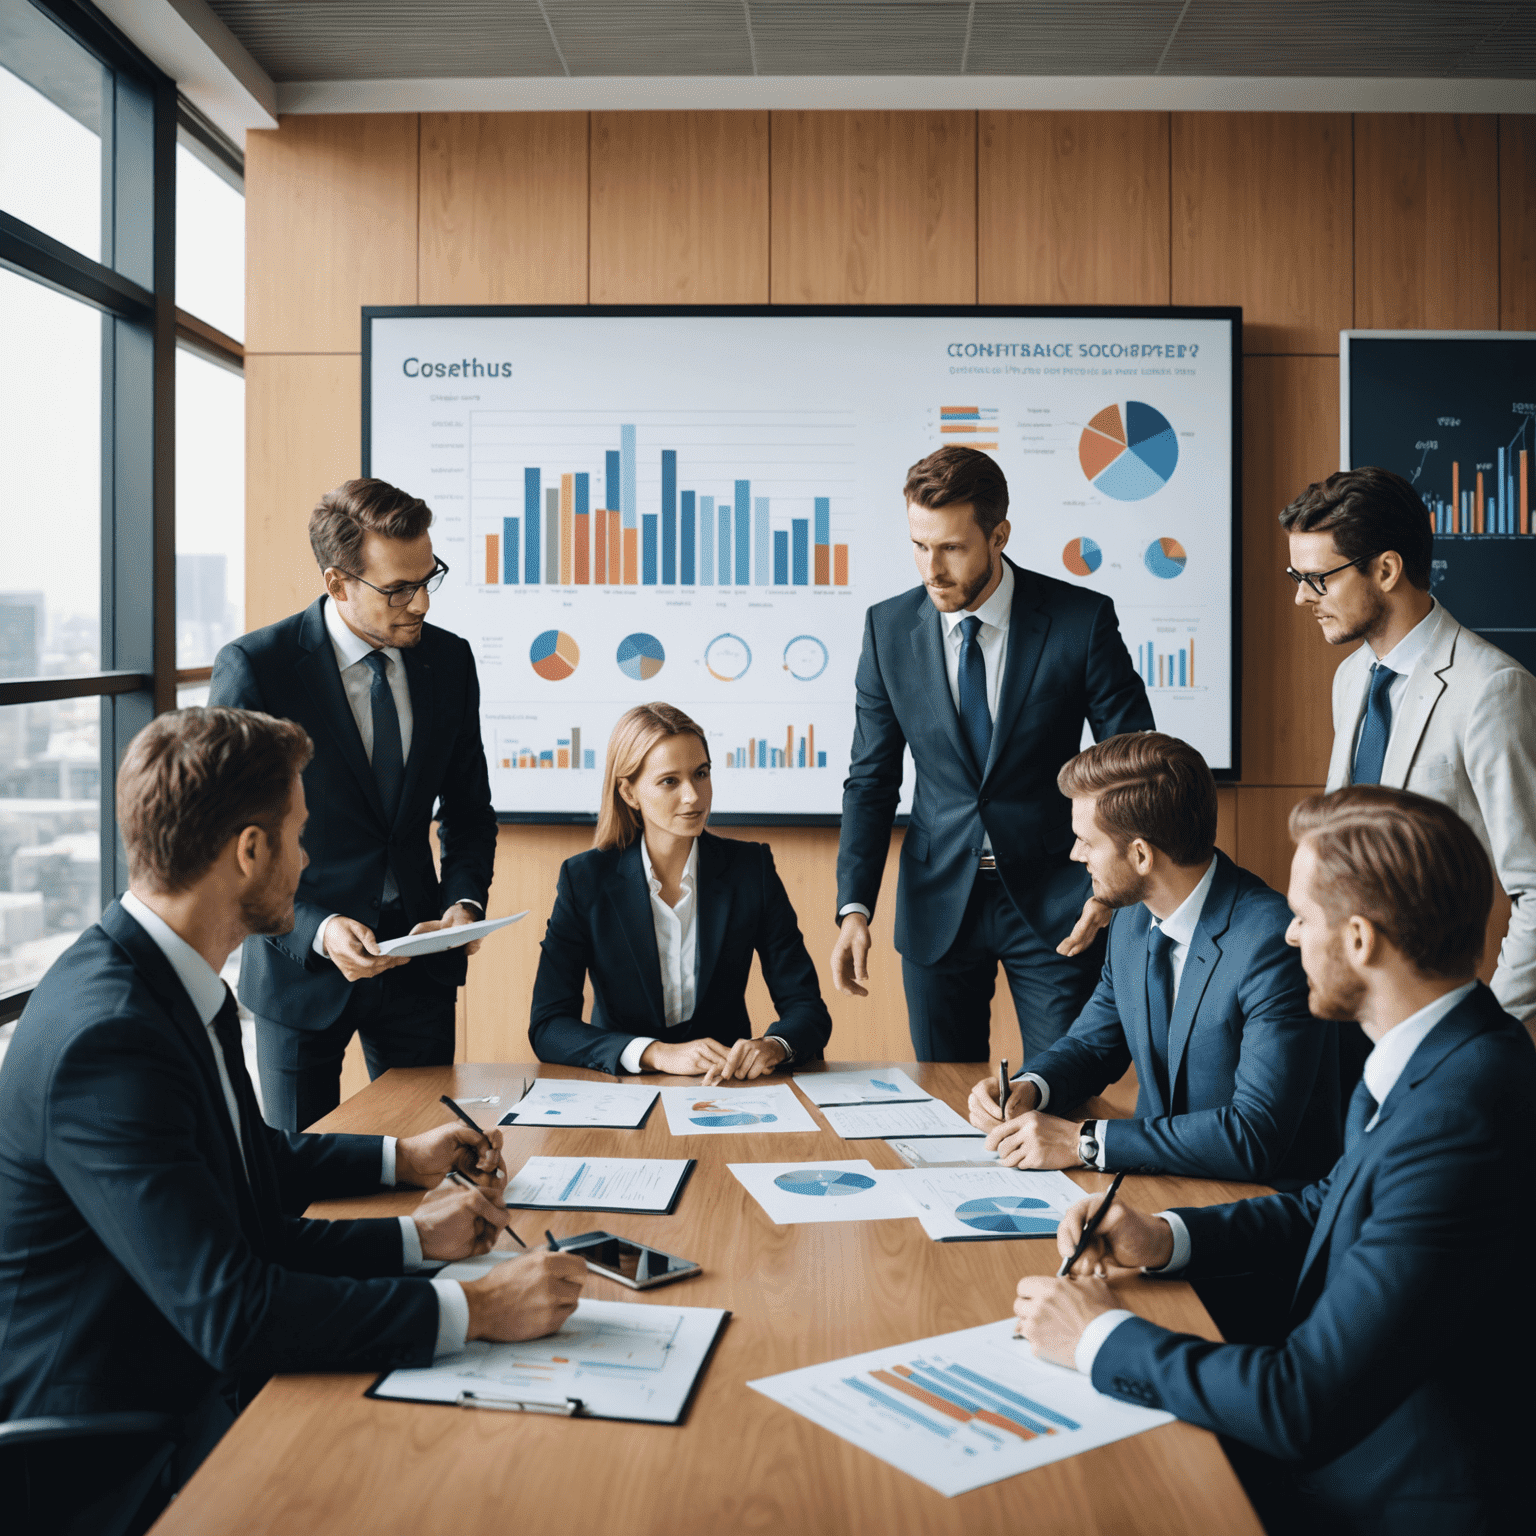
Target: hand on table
1053, 1312
850, 956
354, 949
525, 1297
685, 1058
1036, 1140
455, 1223
1126, 1238
426, 1159
1094, 916
455, 917
983, 1103
746, 1059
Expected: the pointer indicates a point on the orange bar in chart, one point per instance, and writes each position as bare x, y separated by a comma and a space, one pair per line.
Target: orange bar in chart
567, 491
789, 746
1525, 495
563, 758
1455, 496
600, 548
823, 565
1477, 513
839, 565
810, 746
615, 543
492, 557
751, 751
583, 549
631, 557
961, 427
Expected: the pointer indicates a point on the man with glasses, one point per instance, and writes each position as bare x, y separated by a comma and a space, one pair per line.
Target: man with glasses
1424, 704
392, 704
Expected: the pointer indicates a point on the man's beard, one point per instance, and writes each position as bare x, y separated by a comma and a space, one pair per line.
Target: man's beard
978, 586
1126, 893
267, 912
1368, 625
1337, 993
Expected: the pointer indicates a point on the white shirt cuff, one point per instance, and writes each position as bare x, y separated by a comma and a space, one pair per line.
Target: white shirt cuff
387, 1170
1100, 1128
410, 1246
854, 906
319, 945
789, 1050
1181, 1245
1042, 1087
629, 1061
1092, 1339
464, 901
452, 1318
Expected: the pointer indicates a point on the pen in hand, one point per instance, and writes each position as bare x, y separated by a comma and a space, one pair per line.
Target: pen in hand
1002, 1089
461, 1113
554, 1247
1091, 1226
458, 1178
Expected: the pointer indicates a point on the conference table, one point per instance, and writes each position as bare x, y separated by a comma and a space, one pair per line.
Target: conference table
312, 1454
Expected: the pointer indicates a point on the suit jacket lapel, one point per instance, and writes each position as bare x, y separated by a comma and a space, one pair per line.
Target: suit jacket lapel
712, 903
418, 677
631, 897
928, 644
1200, 963
1345, 730
319, 673
1027, 629
1425, 685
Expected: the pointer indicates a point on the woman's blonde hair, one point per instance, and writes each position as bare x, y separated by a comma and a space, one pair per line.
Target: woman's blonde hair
638, 730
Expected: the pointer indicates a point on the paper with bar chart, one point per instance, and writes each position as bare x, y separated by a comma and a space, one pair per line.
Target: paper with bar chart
647, 1185
1455, 414
960, 1410
700, 507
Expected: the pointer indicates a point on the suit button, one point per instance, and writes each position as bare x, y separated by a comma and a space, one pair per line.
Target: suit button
986, 800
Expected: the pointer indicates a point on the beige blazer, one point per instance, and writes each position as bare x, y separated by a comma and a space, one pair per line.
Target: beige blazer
1465, 735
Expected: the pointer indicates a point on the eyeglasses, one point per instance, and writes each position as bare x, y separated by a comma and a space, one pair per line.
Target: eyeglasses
402, 596
1318, 580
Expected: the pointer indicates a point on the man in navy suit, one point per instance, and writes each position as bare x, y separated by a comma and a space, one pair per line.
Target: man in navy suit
988, 673
1392, 1397
151, 1257
1199, 990
393, 706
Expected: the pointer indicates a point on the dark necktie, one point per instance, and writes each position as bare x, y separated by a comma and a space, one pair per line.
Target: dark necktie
1160, 1000
1372, 751
1361, 1107
975, 718
388, 758
226, 1029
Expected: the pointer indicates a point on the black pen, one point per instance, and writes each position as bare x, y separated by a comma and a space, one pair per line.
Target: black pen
465, 1118
1091, 1226
458, 1178
1002, 1089
554, 1247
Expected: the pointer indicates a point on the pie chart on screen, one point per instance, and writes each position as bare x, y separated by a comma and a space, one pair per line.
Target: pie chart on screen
640, 657
1165, 558
1082, 557
554, 655
1128, 450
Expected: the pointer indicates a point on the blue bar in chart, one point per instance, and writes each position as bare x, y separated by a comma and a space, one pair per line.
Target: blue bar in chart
509, 550
668, 517
531, 526
1167, 669
823, 519
725, 543
800, 530
744, 533
627, 476
685, 540
780, 558
583, 496
761, 545
648, 550
706, 541
611, 479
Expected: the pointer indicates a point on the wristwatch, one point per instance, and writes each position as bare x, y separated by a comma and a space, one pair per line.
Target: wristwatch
1087, 1148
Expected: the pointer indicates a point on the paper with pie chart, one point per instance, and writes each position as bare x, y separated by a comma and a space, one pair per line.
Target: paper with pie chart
574, 1101
972, 1205
699, 1111
793, 1193
1129, 451
887, 1086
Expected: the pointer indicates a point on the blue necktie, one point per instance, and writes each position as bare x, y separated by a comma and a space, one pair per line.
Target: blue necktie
1372, 751
975, 718
1361, 1107
388, 758
1160, 1000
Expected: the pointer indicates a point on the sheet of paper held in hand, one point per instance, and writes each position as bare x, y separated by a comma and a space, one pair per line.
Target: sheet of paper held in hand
643, 1184
574, 1101
870, 1122
441, 939
891, 1086
961, 1410
618, 1359
946, 1152
790, 1193
969, 1205
733, 1111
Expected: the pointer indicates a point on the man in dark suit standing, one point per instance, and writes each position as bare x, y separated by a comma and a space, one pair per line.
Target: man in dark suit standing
150, 1254
393, 706
1387, 1397
988, 673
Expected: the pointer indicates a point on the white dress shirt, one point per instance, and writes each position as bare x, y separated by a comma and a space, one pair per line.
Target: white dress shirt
1383, 1067
992, 637
206, 991
1401, 659
1179, 925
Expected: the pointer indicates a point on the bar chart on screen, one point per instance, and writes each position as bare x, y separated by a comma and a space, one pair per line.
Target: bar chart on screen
532, 748
794, 748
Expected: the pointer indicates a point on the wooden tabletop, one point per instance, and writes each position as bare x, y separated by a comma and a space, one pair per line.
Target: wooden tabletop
311, 1454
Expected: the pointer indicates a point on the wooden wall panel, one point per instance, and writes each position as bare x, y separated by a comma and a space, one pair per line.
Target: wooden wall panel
1517, 223
1049, 186
503, 208
303, 435
1290, 438
1262, 218
1263, 841
679, 208
1426, 201
330, 226
874, 207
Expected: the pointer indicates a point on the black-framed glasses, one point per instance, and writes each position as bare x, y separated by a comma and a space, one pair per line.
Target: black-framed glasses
1318, 580
402, 596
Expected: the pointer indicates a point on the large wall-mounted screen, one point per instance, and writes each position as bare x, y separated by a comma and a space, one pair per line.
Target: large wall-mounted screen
699, 506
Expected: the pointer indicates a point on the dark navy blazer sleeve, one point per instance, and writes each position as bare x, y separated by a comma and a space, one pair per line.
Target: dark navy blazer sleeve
1091, 1055
314, 1167
1117, 697
556, 1029
789, 972
466, 819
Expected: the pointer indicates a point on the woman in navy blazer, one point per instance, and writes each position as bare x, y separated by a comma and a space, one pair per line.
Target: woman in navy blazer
665, 918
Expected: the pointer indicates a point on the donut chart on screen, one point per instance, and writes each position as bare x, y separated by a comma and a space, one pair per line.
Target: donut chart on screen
1128, 451
554, 655
641, 657
1165, 558
1082, 557
824, 1181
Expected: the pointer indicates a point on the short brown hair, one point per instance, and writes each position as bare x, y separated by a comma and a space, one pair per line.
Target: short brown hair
953, 474
194, 778
1148, 785
638, 730
1409, 864
359, 507
1368, 511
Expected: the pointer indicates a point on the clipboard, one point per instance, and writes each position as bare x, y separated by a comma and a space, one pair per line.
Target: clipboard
689, 1164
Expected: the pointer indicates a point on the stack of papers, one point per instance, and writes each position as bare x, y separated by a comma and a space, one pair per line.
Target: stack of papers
973, 1205
441, 939
878, 1087
642, 1184
871, 1122
946, 1152
792, 1193
735, 1111
574, 1101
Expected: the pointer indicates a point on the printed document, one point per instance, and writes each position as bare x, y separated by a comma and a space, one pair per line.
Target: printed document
790, 1193
891, 1086
643, 1184
871, 1122
575, 1101
735, 1111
